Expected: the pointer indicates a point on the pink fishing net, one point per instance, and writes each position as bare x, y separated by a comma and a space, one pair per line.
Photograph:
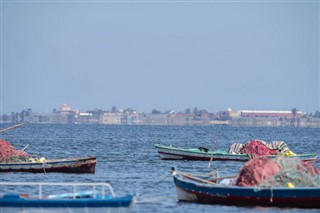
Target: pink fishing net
266, 172
9, 154
257, 148
256, 171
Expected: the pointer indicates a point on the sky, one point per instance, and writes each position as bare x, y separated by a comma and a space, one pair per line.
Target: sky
160, 54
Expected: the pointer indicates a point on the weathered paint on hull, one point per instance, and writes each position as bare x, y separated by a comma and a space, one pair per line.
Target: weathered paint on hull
85, 165
171, 153
179, 156
192, 191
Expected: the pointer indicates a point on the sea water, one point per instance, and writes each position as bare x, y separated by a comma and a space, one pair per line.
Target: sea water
127, 158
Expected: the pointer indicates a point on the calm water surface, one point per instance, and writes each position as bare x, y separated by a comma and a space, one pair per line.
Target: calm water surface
128, 160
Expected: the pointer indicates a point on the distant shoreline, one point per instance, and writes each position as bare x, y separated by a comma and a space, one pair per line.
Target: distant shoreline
67, 115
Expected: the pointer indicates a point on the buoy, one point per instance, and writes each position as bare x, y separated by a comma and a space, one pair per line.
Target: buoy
42, 159
290, 185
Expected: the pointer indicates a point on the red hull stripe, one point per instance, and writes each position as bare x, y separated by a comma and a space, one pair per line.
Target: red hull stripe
298, 202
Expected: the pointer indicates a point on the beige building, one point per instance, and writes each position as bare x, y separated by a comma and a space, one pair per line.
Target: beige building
111, 118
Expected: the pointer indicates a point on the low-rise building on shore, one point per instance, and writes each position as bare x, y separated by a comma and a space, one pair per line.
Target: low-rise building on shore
67, 115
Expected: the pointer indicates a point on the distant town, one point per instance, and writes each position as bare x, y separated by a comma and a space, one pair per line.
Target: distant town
67, 115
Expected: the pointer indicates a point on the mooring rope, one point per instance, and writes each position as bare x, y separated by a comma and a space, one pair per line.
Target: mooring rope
146, 199
160, 180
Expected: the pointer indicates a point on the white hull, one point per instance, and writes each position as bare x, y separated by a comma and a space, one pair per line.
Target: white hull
184, 196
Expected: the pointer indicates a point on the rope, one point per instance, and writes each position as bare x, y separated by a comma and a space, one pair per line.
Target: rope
147, 199
153, 184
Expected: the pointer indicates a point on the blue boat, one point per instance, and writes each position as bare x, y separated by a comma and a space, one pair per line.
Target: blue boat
194, 189
94, 200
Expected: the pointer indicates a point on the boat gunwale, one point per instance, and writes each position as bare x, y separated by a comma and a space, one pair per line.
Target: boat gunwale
212, 185
52, 161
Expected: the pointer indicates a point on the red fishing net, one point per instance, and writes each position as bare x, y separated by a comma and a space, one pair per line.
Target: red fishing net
9, 154
257, 148
266, 172
256, 171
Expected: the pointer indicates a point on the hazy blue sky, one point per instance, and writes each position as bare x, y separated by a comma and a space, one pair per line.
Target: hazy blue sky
160, 55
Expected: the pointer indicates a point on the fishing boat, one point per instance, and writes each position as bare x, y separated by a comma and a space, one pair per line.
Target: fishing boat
96, 199
204, 154
12, 160
64, 165
198, 190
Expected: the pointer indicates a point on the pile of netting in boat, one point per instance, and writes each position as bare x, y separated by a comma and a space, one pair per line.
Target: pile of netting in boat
259, 148
9, 154
279, 172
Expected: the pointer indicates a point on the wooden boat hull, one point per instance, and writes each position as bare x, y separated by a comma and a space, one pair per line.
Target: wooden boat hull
172, 153
66, 165
193, 191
